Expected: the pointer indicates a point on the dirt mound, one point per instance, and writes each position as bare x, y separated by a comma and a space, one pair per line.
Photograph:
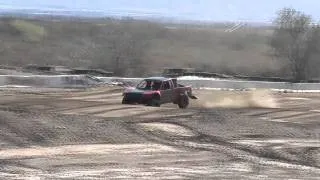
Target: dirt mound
236, 99
168, 128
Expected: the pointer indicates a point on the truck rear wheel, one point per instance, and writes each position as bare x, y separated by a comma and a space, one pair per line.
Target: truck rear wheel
183, 101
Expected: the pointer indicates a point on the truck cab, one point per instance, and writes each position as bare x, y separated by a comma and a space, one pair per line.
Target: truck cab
166, 91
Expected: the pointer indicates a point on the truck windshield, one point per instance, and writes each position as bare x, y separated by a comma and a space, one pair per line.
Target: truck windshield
149, 85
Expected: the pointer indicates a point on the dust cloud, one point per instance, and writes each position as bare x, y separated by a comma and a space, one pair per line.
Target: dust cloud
235, 99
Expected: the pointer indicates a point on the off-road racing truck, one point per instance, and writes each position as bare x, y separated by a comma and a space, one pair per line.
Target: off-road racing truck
155, 91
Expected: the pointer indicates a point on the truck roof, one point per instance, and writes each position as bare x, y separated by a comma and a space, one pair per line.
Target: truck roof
158, 78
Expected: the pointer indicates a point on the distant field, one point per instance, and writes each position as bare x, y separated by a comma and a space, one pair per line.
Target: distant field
134, 48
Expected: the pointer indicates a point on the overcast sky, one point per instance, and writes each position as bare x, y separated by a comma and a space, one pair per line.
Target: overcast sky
216, 10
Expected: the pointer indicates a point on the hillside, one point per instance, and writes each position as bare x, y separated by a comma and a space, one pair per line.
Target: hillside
136, 47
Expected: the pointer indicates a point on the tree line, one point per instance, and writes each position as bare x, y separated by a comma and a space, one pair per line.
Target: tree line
130, 47
295, 39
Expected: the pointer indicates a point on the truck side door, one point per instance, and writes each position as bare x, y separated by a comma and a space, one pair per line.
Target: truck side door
166, 92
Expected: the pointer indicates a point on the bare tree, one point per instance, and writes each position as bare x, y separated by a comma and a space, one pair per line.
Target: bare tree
127, 53
121, 49
296, 39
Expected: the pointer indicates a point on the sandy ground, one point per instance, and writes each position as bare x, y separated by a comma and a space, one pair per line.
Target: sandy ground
89, 134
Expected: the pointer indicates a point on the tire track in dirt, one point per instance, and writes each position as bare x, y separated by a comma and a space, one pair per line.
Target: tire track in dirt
202, 141
268, 153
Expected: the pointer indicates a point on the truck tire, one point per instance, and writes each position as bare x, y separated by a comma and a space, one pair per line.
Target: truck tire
183, 101
125, 100
155, 101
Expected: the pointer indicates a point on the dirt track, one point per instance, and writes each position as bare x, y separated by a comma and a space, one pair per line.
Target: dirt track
90, 135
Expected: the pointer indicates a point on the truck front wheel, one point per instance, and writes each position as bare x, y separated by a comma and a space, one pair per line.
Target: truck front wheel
125, 100
155, 101
183, 101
